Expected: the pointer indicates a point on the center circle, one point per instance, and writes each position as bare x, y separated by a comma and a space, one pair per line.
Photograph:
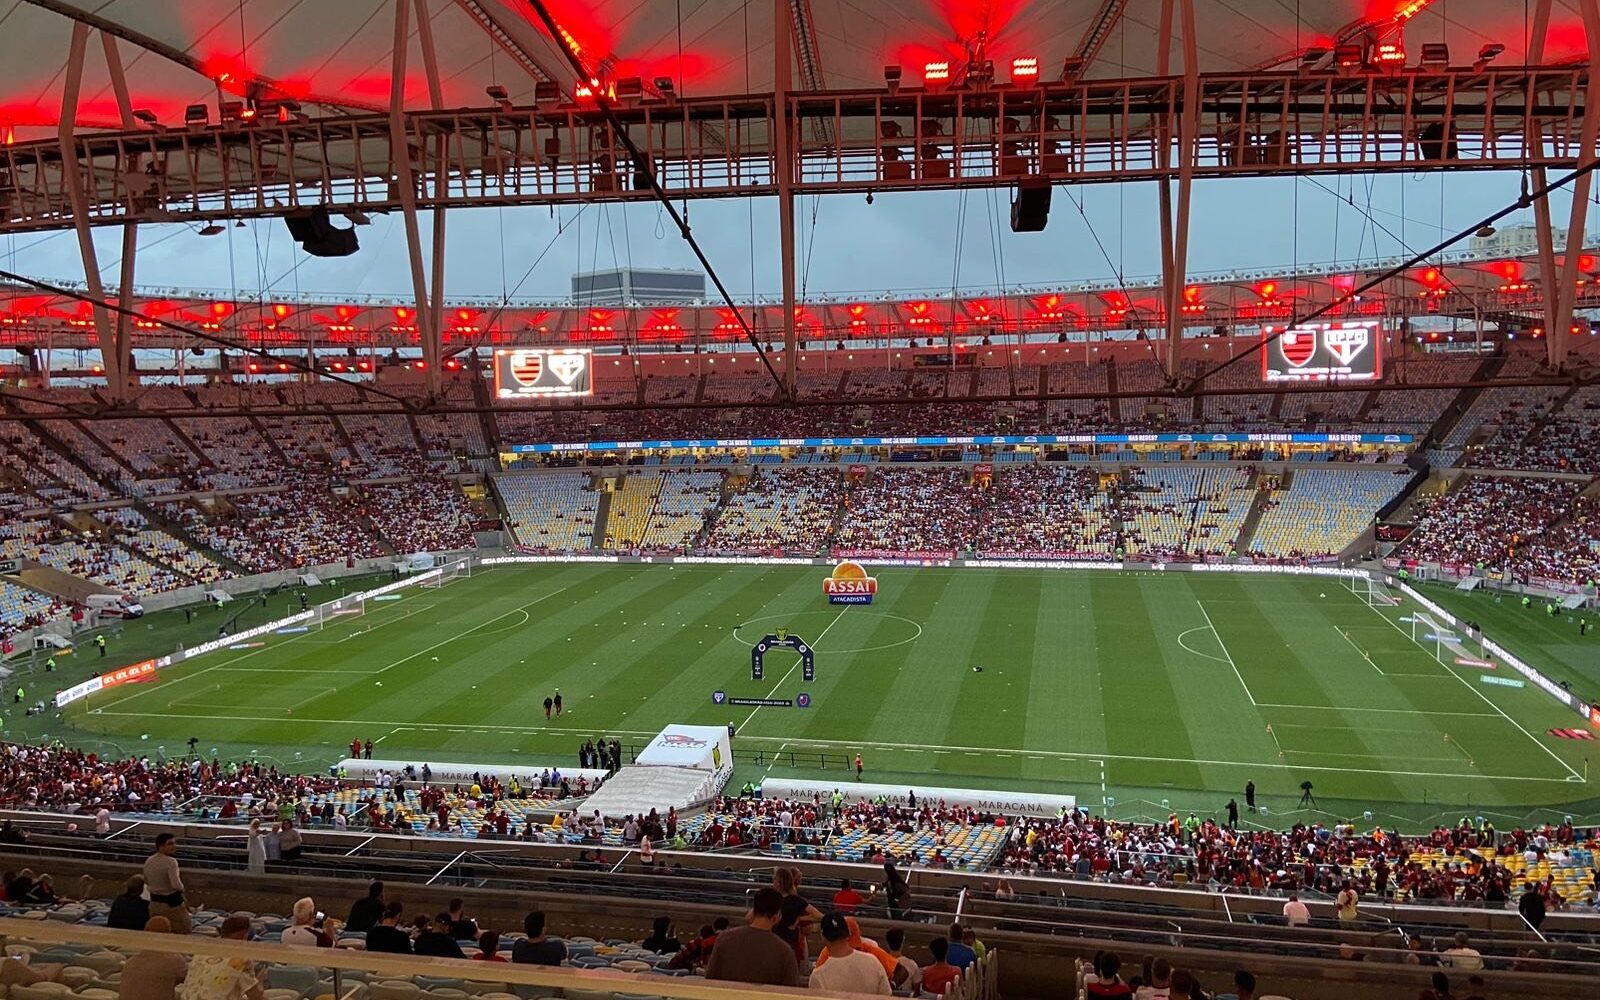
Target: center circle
789, 620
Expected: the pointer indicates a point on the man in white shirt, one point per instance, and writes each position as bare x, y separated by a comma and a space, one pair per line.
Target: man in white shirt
1295, 912
301, 932
847, 970
1462, 956
895, 941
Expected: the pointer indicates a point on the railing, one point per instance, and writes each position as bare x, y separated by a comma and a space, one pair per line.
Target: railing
341, 968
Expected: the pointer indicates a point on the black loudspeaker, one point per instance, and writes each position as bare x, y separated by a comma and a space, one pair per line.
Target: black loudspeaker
1030, 209
312, 229
1438, 143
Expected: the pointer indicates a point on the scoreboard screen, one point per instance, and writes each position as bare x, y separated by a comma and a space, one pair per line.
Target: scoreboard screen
533, 372
1349, 351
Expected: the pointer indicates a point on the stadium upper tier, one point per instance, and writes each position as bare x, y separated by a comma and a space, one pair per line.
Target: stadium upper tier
299, 474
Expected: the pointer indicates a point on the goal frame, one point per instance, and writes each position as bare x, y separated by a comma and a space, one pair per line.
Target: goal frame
338, 610
448, 573
1374, 593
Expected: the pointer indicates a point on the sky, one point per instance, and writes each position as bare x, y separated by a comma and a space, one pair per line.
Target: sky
906, 243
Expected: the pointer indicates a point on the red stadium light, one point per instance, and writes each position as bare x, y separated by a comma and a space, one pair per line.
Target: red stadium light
364, 366
1267, 291
1025, 69
221, 309
283, 366
1586, 263
281, 311
1389, 54
254, 368
345, 313
402, 314
419, 364
936, 74
1191, 301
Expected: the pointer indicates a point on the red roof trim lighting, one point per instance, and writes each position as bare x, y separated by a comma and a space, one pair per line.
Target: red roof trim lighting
1025, 69
1410, 9
936, 74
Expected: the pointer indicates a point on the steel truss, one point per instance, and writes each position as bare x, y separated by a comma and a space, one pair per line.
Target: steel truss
1245, 125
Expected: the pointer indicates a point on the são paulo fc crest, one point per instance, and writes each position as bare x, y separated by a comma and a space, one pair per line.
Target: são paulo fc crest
1345, 342
849, 584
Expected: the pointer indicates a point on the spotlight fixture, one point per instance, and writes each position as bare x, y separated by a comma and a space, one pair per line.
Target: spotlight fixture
212, 229
891, 78
1435, 55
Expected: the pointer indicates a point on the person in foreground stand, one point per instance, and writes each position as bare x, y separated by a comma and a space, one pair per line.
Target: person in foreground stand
366, 911
165, 882
436, 940
753, 954
938, 974
536, 949
847, 970
213, 977
306, 930
152, 975
131, 911
386, 935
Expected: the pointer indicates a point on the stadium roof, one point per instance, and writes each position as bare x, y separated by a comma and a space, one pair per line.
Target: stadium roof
334, 56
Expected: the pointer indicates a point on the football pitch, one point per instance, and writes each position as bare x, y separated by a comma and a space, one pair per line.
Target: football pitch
1139, 692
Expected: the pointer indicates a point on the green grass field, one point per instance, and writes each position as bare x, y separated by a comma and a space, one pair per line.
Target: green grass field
1150, 691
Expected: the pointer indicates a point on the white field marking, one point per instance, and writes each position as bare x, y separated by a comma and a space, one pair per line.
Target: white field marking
1452, 741
1385, 711
1101, 757
1185, 645
1434, 676
145, 689
396, 729
1572, 775
462, 635
1275, 740
1350, 729
411, 610
311, 698
1096, 757
788, 673
1223, 646
266, 674
1371, 756
774, 763
839, 652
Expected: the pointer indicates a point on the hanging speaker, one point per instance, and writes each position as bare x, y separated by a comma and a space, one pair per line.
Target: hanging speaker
1438, 143
312, 229
1030, 208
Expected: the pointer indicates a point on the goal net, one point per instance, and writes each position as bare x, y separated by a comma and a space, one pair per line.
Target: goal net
1447, 643
1372, 592
449, 573
344, 609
